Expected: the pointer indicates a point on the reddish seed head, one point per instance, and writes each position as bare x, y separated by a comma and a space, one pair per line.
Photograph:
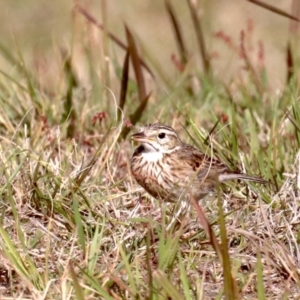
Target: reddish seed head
127, 123
100, 116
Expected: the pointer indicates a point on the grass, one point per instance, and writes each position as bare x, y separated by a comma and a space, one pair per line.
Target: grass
74, 224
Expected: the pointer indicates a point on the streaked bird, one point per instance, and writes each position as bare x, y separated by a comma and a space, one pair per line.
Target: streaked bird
169, 169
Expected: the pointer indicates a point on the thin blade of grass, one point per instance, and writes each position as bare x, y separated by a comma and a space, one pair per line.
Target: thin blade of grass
91, 19
11, 59
260, 280
207, 228
12, 253
293, 120
184, 279
78, 289
230, 286
206, 141
274, 9
249, 66
135, 117
199, 35
179, 41
79, 225
10, 177
124, 85
31, 83
234, 133
148, 261
7, 54
123, 46
177, 31
122, 286
85, 171
129, 272
23, 265
254, 143
162, 280
222, 153
167, 249
95, 284
290, 65
69, 111
133, 52
105, 49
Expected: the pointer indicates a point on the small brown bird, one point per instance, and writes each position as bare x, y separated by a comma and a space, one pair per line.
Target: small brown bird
169, 169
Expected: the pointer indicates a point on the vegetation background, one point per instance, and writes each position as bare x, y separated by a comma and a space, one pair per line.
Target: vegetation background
76, 77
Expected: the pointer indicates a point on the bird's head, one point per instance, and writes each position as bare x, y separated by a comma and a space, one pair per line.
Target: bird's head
158, 138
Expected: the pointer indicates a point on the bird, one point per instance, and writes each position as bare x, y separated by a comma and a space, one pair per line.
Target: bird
170, 170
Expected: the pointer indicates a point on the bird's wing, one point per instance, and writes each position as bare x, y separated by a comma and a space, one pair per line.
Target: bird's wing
211, 168
203, 164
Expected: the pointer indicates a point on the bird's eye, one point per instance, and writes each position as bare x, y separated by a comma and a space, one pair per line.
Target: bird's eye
162, 135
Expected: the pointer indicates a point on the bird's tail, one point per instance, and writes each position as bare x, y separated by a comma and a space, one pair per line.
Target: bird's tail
231, 176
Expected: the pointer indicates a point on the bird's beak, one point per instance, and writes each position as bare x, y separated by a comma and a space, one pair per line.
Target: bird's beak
140, 137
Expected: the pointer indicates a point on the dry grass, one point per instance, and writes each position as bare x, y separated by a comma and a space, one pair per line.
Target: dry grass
111, 232
75, 225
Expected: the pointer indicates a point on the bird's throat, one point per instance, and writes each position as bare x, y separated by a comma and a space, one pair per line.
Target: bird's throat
152, 156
